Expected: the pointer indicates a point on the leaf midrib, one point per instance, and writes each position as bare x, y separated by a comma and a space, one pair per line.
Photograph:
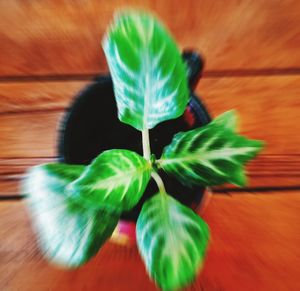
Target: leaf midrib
122, 177
206, 156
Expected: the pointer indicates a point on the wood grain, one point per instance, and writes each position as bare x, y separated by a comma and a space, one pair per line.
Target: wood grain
62, 37
12, 172
267, 171
254, 237
10, 187
37, 96
29, 134
254, 246
269, 108
16, 167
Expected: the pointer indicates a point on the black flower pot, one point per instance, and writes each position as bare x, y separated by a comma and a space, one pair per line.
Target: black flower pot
91, 125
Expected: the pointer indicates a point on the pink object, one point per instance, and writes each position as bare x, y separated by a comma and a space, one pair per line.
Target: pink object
127, 228
125, 231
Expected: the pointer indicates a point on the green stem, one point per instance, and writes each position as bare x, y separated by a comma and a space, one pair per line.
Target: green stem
147, 156
158, 163
159, 182
146, 144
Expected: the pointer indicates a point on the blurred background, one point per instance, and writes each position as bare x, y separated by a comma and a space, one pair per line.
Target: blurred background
50, 50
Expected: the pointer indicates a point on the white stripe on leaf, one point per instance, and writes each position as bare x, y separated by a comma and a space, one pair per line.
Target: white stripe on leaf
116, 178
219, 157
171, 238
152, 47
68, 233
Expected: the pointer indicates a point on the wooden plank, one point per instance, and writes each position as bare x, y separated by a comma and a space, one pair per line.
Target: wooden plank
269, 108
29, 134
10, 187
254, 246
37, 96
267, 171
16, 167
254, 242
59, 38
12, 172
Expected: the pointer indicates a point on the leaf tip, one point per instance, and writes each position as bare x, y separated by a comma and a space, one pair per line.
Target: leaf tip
228, 120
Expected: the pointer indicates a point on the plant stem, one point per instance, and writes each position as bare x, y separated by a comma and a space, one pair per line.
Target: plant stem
158, 163
159, 182
147, 154
146, 144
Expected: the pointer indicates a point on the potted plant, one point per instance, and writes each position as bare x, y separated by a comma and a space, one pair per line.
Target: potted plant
75, 207
90, 126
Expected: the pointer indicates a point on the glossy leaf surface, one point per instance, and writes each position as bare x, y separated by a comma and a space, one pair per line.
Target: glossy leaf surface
115, 179
210, 155
229, 120
68, 234
172, 240
149, 75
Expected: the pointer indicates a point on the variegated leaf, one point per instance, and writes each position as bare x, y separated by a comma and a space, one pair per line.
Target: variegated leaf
149, 75
172, 241
229, 120
210, 155
68, 233
115, 179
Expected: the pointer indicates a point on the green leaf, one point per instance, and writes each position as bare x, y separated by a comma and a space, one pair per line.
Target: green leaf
149, 75
229, 120
172, 240
68, 233
116, 179
210, 155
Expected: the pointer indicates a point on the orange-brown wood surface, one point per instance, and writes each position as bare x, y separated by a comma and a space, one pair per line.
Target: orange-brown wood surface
254, 246
29, 134
263, 104
30, 113
269, 108
50, 50
12, 171
266, 171
63, 37
37, 95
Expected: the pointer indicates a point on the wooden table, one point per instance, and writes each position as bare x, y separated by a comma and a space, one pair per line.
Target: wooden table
50, 50
254, 245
